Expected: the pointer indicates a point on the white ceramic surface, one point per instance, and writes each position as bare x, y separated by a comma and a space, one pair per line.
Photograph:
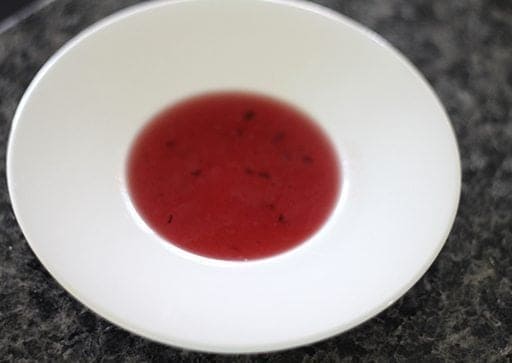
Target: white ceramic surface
71, 133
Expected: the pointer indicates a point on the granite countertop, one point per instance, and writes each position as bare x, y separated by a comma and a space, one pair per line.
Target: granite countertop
461, 310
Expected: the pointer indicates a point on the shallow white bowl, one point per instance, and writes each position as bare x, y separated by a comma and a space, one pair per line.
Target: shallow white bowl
71, 133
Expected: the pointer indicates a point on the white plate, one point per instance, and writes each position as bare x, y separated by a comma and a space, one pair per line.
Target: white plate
71, 133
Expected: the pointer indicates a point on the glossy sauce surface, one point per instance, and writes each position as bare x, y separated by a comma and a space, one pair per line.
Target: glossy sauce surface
235, 176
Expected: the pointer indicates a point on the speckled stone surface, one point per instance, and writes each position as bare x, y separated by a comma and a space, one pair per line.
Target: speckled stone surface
461, 310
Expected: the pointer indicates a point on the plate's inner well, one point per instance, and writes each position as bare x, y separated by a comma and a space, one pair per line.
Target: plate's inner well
233, 175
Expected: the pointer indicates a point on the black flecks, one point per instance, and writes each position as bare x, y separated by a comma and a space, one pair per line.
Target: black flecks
234, 248
169, 220
196, 172
306, 159
249, 115
278, 137
249, 171
281, 218
264, 175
